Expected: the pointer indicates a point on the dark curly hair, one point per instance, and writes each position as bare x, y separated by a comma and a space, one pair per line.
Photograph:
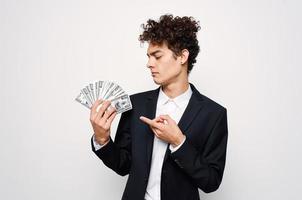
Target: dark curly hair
178, 32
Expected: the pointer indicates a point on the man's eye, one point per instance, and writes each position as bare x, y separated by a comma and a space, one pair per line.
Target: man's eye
157, 57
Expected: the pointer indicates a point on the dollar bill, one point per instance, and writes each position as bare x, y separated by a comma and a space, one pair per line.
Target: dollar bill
86, 95
82, 100
122, 103
91, 88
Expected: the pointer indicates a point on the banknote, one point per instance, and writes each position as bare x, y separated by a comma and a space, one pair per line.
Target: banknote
105, 90
122, 103
82, 100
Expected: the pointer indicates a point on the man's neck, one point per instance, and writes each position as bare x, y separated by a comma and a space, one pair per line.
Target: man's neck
173, 90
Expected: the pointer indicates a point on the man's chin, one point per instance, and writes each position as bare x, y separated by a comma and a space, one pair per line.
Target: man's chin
157, 82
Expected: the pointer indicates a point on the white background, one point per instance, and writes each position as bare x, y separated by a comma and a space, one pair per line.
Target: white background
250, 62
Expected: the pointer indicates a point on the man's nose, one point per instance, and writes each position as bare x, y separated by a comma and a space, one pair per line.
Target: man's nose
150, 64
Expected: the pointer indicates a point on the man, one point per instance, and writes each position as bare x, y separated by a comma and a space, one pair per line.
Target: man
174, 139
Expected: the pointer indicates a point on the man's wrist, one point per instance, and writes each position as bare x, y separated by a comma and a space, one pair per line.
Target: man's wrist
175, 148
102, 140
178, 141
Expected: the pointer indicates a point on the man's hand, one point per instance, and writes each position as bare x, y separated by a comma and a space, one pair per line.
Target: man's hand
166, 129
101, 120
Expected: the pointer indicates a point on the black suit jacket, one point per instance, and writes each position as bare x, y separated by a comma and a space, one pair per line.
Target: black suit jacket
198, 163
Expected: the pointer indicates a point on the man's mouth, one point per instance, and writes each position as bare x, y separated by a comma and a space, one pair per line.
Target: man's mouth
154, 73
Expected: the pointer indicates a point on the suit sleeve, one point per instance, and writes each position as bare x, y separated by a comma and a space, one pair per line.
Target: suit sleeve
205, 168
117, 155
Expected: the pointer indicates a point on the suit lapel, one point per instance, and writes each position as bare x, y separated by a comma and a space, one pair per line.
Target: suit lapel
191, 110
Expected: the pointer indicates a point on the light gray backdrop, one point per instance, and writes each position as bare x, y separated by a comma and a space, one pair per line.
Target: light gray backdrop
250, 62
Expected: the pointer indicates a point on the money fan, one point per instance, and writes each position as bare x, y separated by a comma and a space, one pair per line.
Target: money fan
105, 90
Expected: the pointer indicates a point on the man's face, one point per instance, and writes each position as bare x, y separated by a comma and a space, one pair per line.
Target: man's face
165, 68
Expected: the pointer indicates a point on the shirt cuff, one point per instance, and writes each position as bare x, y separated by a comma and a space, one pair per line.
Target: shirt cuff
173, 149
96, 145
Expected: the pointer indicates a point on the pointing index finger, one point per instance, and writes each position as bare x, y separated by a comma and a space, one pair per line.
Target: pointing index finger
152, 123
146, 120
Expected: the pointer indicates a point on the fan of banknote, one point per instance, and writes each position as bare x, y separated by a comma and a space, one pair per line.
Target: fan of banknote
105, 90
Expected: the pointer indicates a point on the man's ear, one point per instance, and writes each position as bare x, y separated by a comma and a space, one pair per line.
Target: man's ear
184, 56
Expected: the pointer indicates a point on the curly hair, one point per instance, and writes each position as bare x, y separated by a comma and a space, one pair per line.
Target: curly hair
178, 32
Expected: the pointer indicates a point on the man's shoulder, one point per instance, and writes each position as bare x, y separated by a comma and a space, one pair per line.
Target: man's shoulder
211, 104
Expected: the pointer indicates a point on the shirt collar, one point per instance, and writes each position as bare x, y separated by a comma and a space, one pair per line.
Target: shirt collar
180, 100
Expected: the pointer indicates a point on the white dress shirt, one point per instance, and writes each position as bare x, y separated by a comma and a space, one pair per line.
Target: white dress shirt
175, 109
